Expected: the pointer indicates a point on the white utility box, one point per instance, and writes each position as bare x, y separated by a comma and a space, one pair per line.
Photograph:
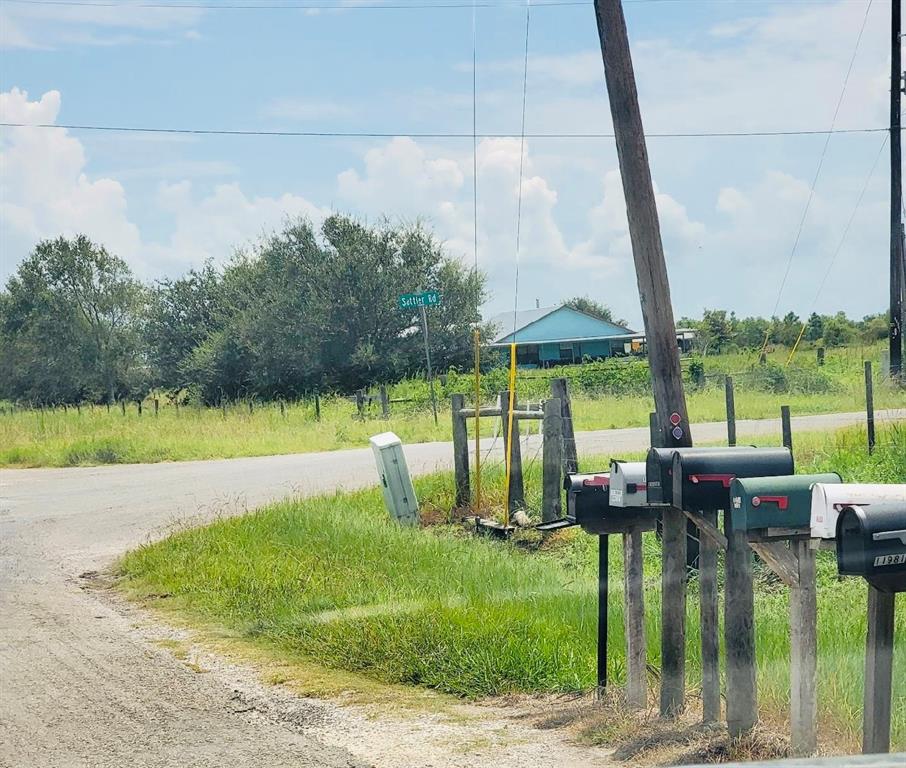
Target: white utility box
399, 495
828, 500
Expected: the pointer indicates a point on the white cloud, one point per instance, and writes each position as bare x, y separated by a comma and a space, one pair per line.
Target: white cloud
46, 191
213, 226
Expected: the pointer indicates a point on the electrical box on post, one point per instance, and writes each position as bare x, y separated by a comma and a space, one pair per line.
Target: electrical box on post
399, 495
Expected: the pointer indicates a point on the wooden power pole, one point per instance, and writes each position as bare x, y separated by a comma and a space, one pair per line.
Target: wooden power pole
660, 329
896, 197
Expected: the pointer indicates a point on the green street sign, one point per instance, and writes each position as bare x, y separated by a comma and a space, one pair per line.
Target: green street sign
413, 300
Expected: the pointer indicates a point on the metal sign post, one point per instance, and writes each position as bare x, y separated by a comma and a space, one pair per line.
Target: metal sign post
422, 300
428, 361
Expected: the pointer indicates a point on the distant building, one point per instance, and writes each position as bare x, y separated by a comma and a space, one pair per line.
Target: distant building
562, 336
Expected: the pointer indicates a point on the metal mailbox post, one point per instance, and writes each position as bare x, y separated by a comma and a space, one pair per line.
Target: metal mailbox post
701, 487
871, 542
775, 513
588, 504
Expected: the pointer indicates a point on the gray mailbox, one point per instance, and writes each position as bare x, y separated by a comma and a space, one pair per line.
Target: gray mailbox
628, 484
871, 542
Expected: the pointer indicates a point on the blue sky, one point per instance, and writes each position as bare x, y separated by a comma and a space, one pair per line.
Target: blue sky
730, 207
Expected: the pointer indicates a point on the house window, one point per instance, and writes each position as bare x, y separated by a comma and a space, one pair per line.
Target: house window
566, 353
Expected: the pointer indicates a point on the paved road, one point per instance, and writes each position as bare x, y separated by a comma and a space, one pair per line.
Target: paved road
76, 686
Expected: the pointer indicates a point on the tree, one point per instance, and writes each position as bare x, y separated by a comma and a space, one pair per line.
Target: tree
594, 308
305, 309
815, 327
181, 314
71, 324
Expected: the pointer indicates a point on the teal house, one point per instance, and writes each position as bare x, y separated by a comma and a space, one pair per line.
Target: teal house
558, 335
550, 336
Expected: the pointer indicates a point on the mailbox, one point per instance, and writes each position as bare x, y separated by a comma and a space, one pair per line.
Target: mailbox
774, 502
659, 474
588, 503
871, 542
628, 484
828, 500
701, 480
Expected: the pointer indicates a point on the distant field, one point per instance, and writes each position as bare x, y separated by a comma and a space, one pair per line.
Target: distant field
30, 438
331, 579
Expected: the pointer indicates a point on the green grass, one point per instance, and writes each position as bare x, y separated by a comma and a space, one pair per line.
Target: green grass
330, 579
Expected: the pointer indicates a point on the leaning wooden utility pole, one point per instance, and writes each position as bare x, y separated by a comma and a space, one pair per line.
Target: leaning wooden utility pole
660, 329
896, 197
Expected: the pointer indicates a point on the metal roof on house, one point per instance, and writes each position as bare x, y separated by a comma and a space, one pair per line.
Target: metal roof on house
553, 330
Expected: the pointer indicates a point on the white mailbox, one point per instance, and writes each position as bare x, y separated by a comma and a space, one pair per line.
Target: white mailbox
628, 484
399, 495
829, 499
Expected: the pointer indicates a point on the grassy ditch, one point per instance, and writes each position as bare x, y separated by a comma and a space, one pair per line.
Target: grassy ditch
332, 580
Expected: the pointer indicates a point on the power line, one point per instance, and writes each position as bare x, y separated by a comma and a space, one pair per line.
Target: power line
435, 134
839, 247
811, 191
380, 5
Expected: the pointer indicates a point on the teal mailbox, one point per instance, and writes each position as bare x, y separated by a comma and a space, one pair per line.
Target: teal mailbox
774, 502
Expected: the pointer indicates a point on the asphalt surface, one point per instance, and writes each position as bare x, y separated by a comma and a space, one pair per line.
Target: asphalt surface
77, 688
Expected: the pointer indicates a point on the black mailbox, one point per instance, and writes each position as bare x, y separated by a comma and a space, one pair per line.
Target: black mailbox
701, 480
871, 542
588, 503
659, 471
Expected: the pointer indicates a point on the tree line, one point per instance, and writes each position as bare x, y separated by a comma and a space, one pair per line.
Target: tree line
304, 309
721, 331
301, 310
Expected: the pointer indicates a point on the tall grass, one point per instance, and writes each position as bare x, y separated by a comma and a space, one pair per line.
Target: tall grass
332, 579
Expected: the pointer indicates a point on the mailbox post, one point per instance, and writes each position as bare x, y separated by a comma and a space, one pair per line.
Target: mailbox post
701, 482
774, 513
588, 504
871, 543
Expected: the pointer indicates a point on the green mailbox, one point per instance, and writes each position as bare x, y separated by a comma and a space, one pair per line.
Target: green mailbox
774, 502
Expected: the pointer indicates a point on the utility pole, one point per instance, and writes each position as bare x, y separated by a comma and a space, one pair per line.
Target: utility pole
660, 330
896, 197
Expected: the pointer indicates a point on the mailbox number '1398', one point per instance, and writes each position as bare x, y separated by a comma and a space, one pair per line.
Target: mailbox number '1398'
890, 560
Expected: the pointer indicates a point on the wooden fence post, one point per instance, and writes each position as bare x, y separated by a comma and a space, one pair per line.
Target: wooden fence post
560, 391
708, 612
820, 355
360, 403
636, 644
552, 461
385, 402
731, 410
786, 427
516, 489
804, 653
282, 408
156, 406
673, 612
878, 672
654, 431
138, 404
739, 632
870, 407
460, 450
317, 406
